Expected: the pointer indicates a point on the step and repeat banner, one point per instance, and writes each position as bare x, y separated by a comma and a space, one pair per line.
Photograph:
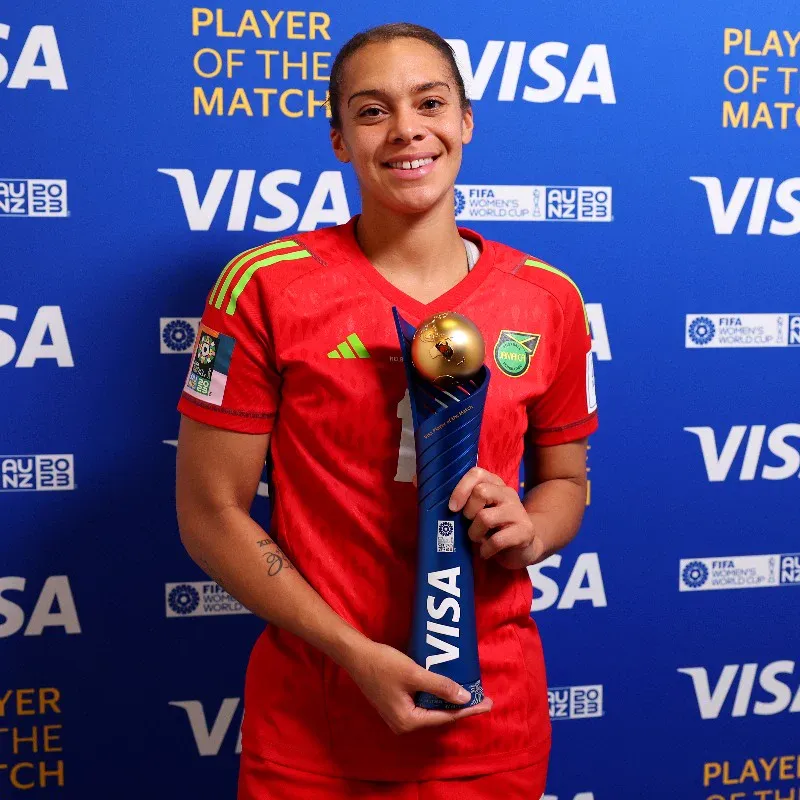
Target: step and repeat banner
649, 151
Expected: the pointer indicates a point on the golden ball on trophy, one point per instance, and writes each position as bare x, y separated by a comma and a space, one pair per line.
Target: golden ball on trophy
447, 348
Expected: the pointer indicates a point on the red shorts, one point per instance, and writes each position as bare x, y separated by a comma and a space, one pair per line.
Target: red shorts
265, 780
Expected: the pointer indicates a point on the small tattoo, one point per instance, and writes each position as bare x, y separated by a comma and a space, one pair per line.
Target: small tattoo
276, 559
264, 542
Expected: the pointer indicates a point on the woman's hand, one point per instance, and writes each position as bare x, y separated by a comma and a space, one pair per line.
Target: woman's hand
500, 523
390, 680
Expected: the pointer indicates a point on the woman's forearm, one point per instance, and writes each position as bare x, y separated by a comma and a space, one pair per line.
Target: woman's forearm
556, 509
243, 559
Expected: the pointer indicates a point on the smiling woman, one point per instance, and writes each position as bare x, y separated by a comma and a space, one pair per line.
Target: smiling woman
400, 115
298, 361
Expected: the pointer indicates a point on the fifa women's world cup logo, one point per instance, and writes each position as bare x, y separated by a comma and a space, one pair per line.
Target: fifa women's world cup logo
447, 382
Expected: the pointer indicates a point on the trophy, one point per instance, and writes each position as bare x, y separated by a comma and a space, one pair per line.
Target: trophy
447, 382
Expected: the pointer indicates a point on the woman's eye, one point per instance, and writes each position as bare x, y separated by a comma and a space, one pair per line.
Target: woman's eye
431, 103
372, 111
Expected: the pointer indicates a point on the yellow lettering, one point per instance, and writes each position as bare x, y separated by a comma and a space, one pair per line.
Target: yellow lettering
208, 104
273, 23
319, 64
58, 772
322, 26
24, 702
785, 768
249, 23
217, 58
745, 79
51, 739
302, 65
284, 108
201, 18
787, 79
785, 108
757, 79
768, 767
17, 739
773, 43
749, 771
734, 120
267, 60
726, 774
265, 95
748, 37
294, 25
762, 115
12, 775
314, 104
230, 63
221, 32
791, 796
792, 41
3, 702
240, 103
49, 698
732, 38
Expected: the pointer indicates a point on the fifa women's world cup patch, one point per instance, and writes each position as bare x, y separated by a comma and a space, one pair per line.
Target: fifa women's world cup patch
211, 361
514, 350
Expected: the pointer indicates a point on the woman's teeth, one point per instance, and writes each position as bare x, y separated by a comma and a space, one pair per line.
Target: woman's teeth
410, 164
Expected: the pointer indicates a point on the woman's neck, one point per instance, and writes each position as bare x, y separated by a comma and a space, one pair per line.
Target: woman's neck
424, 248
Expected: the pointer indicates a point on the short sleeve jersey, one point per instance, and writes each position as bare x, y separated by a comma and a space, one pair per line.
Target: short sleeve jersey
297, 339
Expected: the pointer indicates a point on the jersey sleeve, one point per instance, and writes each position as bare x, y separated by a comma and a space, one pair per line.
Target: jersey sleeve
233, 382
567, 410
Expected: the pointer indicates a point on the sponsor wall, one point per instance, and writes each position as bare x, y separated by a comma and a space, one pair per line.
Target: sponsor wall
144, 146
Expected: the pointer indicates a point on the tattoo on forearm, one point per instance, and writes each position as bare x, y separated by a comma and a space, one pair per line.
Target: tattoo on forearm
275, 557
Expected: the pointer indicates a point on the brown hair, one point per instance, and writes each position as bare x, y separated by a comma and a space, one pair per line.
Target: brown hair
387, 33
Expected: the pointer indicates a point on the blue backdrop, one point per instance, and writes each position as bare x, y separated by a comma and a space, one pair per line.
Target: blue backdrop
647, 150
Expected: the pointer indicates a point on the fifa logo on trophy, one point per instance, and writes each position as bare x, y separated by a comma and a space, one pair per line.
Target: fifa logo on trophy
447, 382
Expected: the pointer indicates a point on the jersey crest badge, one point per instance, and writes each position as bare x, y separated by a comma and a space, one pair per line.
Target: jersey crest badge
514, 350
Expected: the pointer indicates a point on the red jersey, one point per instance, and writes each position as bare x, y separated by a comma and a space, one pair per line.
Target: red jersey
298, 339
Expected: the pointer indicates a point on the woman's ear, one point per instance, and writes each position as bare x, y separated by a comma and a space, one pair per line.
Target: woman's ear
339, 147
467, 126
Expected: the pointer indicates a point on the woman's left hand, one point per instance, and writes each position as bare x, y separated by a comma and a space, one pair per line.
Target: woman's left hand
500, 524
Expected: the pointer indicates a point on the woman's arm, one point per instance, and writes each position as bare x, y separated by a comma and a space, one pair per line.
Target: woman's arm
217, 477
557, 502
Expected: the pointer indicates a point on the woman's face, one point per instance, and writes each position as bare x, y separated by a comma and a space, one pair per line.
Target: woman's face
400, 103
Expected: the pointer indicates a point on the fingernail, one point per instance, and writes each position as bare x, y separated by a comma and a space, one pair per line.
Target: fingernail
451, 505
463, 695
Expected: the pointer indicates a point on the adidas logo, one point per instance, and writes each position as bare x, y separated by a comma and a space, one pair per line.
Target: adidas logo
345, 350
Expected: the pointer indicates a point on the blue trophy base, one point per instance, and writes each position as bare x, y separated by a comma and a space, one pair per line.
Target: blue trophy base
431, 701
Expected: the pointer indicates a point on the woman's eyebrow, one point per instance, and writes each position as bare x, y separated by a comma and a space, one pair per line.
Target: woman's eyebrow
422, 87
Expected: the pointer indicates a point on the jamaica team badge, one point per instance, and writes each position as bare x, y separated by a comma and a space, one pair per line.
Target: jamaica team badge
514, 351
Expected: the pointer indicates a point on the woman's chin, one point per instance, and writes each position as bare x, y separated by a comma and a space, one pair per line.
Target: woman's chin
416, 202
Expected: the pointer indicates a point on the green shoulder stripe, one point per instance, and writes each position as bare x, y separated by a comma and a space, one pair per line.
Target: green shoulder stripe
232, 267
532, 262
251, 270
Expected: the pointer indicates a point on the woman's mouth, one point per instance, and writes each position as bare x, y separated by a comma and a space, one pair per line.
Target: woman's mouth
412, 168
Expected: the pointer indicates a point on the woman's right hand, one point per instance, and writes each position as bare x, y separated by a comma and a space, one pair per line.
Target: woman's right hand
390, 680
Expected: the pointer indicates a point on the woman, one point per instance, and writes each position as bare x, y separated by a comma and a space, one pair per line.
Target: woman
298, 353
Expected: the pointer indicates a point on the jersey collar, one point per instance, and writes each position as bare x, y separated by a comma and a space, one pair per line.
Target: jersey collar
449, 301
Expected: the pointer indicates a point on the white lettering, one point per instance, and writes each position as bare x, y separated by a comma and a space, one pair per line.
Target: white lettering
592, 76
209, 740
